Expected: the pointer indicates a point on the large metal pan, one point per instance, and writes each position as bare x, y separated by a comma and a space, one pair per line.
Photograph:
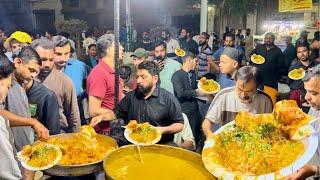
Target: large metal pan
113, 162
79, 170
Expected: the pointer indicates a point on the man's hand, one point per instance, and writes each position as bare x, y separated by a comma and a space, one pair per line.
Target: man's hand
96, 120
160, 64
200, 93
42, 132
304, 172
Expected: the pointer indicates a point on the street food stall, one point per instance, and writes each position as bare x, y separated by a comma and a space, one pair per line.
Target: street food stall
253, 146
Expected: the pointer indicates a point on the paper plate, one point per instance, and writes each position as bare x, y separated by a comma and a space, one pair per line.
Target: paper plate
310, 144
127, 132
258, 56
207, 92
290, 74
51, 164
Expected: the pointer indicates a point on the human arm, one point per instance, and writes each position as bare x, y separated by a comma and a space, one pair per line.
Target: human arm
121, 111
51, 114
188, 144
14, 120
212, 64
206, 128
95, 108
70, 107
179, 86
304, 172
171, 129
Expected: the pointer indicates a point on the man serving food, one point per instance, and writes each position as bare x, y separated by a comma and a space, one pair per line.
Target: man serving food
148, 103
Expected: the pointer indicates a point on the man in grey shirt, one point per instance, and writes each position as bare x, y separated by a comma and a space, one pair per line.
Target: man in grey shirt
17, 100
245, 96
9, 165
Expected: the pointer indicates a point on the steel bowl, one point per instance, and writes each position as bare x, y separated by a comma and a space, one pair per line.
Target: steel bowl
83, 169
190, 157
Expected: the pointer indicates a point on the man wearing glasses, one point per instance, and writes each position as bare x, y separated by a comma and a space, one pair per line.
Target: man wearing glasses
245, 96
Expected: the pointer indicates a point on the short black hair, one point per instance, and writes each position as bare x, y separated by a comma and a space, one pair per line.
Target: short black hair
167, 32
186, 28
28, 54
228, 34
314, 72
303, 44
206, 35
160, 43
247, 73
91, 45
6, 67
150, 66
65, 34
125, 72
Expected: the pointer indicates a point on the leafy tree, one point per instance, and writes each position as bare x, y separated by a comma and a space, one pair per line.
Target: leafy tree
240, 8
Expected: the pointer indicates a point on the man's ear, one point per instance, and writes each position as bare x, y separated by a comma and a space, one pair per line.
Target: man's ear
17, 62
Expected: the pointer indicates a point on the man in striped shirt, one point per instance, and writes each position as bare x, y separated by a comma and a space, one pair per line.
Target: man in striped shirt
205, 53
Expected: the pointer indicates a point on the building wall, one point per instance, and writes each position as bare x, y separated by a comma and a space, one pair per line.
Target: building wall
15, 14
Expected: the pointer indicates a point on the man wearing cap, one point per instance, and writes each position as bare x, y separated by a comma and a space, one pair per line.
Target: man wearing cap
187, 94
245, 96
228, 41
139, 55
230, 62
16, 41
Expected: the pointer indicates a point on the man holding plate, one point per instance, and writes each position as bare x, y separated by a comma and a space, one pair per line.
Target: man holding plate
245, 96
302, 61
148, 103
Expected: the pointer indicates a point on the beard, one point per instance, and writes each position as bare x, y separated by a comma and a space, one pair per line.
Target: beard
143, 90
201, 43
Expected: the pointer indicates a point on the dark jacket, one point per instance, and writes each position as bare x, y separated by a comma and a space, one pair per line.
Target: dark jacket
44, 106
298, 84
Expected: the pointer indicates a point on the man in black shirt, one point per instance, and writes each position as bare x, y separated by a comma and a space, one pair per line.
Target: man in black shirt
273, 67
187, 43
148, 103
303, 61
43, 103
182, 85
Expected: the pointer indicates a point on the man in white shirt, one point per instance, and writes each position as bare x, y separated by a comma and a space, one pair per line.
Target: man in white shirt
172, 44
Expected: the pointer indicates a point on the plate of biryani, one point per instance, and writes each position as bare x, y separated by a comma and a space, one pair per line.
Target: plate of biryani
39, 156
262, 146
257, 59
297, 74
208, 86
83, 148
141, 133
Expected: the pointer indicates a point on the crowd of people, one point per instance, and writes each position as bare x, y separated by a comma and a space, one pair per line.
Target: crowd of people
46, 88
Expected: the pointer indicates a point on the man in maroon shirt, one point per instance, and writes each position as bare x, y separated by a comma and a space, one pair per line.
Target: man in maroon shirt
100, 83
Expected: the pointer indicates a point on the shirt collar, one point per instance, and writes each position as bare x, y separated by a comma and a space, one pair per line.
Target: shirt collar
155, 93
106, 67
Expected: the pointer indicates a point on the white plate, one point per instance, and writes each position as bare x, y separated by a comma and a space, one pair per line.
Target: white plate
207, 92
304, 74
263, 59
56, 161
310, 144
127, 132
